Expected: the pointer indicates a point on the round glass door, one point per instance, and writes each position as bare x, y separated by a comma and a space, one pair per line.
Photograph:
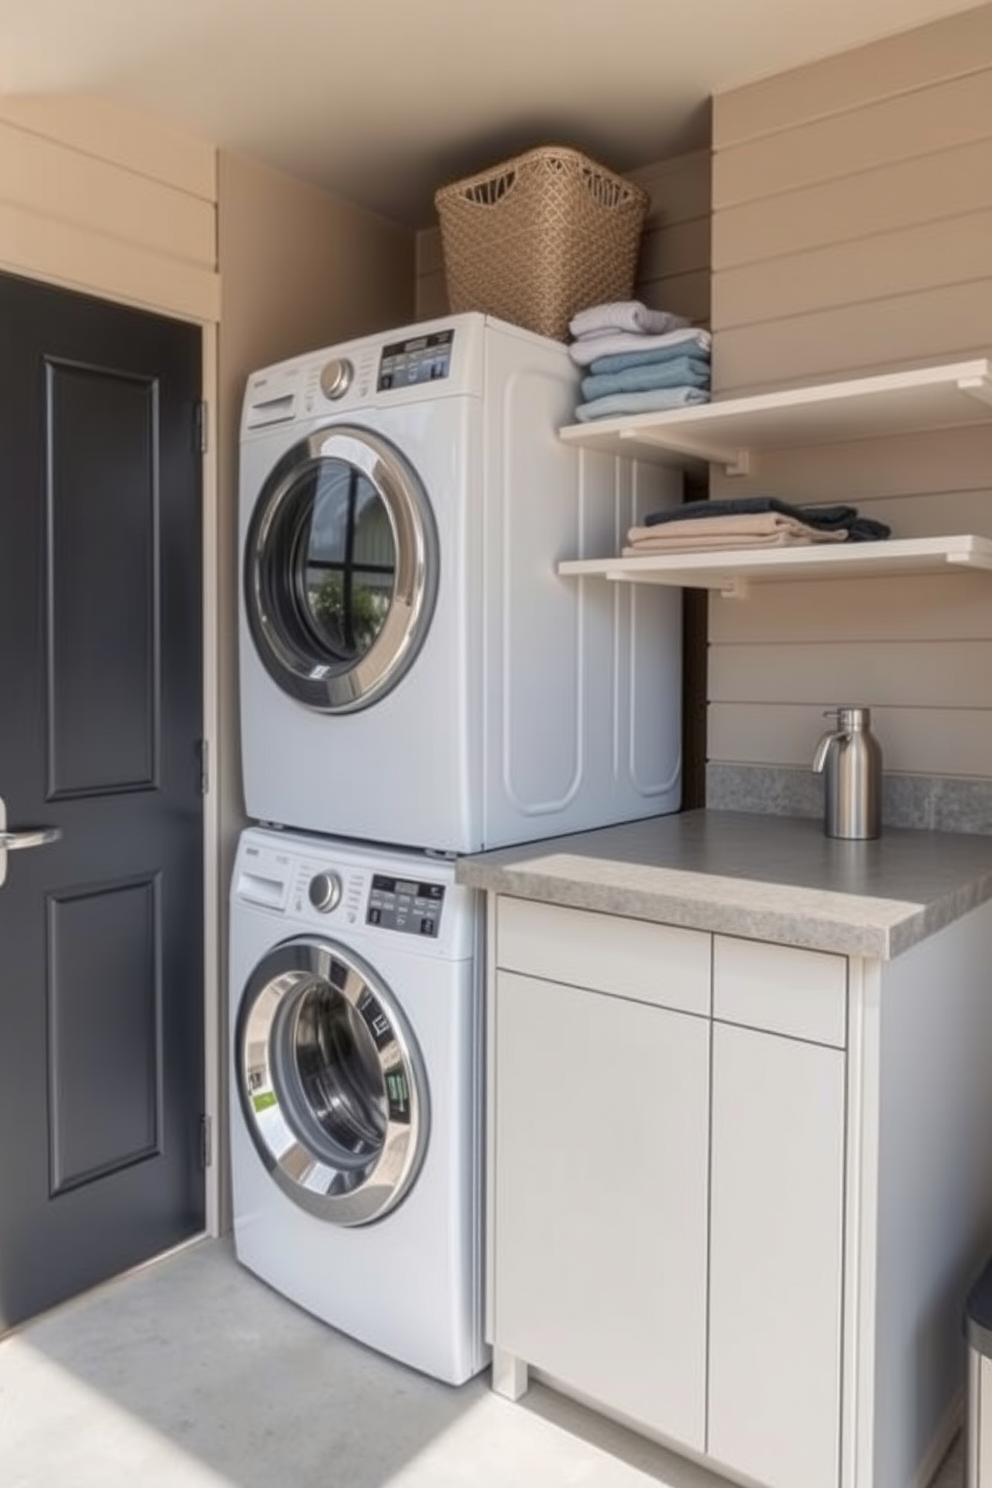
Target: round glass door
340, 570
331, 1083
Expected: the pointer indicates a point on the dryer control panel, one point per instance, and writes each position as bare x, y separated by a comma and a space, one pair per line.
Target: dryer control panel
418, 359
405, 904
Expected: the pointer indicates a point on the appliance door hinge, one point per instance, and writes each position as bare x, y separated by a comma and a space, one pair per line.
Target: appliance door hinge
203, 755
201, 427
206, 1142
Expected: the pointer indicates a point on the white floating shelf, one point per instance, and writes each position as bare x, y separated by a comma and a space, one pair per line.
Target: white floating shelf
731, 572
726, 431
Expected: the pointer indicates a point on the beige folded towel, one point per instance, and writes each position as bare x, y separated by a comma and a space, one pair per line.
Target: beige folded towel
747, 530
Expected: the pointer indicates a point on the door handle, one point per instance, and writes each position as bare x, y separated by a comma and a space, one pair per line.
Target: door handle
34, 837
29, 837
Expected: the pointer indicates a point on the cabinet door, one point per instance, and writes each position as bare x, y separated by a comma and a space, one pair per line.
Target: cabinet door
775, 1259
601, 1169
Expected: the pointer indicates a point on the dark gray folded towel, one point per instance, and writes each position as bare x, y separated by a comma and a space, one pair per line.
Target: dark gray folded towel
827, 518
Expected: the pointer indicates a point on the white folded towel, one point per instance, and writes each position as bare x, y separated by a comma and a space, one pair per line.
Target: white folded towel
624, 315
590, 349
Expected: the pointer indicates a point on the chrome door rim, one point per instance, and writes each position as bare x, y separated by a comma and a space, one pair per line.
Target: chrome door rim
351, 1193
321, 684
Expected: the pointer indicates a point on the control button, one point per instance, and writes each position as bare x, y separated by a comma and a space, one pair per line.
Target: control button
335, 377
325, 891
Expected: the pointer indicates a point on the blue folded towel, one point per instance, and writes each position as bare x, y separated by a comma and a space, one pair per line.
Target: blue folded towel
680, 372
654, 401
626, 359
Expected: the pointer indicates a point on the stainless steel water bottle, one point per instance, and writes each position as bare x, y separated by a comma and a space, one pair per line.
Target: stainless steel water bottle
850, 759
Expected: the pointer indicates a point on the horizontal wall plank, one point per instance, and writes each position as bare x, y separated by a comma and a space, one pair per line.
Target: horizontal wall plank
934, 607
908, 261
682, 294
905, 194
136, 141
947, 324
42, 176
680, 188
71, 256
676, 249
925, 462
945, 49
915, 741
896, 673
954, 113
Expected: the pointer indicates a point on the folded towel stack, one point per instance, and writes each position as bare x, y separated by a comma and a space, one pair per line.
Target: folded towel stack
748, 522
638, 360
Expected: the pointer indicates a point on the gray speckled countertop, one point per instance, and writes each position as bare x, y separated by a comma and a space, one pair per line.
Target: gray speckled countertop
765, 877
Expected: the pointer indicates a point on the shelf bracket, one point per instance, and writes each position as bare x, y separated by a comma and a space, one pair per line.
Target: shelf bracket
733, 589
977, 387
738, 464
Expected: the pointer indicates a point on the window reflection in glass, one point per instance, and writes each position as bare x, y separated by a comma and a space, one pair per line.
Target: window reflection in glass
349, 560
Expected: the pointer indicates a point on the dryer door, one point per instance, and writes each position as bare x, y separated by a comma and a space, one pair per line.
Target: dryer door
331, 1082
340, 569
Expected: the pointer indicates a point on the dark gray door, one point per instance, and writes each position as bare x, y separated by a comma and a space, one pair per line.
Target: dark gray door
101, 992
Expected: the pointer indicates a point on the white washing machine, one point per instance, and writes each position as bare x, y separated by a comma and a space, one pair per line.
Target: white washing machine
356, 1100
412, 669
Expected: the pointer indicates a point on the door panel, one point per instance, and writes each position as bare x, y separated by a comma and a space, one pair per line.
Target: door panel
101, 935
101, 595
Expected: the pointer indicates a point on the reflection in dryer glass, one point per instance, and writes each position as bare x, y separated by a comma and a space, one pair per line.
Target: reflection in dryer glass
347, 560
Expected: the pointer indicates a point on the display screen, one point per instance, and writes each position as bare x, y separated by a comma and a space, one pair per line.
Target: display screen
405, 904
420, 359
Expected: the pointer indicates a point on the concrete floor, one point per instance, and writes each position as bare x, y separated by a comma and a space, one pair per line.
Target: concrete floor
192, 1374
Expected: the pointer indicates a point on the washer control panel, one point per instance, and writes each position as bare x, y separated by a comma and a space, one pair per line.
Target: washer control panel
312, 887
405, 904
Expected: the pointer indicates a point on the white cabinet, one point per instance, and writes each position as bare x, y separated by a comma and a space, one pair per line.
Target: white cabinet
777, 1213
737, 1190
776, 1257
666, 1143
599, 1140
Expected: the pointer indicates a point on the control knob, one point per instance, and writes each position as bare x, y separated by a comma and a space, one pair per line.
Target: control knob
335, 377
325, 892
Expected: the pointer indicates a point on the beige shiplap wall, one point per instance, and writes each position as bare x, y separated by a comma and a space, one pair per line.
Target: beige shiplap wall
674, 265
852, 233
102, 200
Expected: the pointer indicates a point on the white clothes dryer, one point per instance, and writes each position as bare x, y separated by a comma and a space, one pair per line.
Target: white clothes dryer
356, 1099
413, 671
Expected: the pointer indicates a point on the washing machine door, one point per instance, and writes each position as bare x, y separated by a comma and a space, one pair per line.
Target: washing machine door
340, 569
331, 1082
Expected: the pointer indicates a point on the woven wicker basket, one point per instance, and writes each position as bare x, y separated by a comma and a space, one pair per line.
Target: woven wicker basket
539, 237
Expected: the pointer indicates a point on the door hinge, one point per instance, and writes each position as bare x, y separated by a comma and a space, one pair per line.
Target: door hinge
203, 755
201, 427
206, 1141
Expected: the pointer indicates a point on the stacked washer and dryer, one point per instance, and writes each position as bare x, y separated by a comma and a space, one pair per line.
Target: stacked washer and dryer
416, 683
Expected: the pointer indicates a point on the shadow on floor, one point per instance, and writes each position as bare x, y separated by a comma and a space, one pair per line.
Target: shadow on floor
239, 1386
